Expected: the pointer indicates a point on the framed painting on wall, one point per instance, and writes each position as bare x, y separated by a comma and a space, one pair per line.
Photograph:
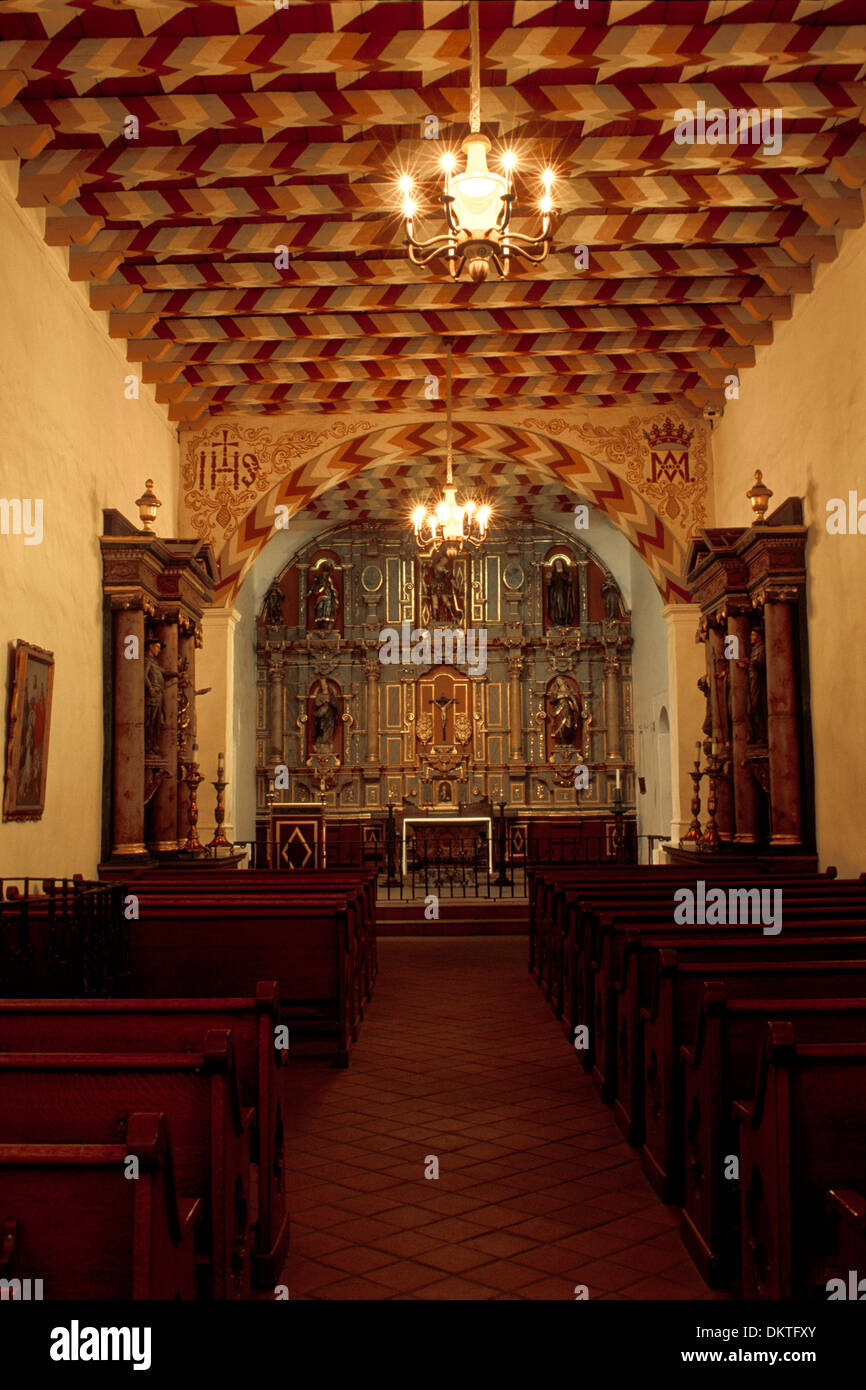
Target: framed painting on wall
27, 730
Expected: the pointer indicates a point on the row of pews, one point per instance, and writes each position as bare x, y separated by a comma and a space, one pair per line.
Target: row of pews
142, 1135
731, 1044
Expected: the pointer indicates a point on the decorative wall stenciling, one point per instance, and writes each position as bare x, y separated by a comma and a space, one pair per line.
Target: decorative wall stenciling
609, 466
667, 461
226, 469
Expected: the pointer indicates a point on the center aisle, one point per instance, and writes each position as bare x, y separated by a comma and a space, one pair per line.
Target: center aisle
459, 1058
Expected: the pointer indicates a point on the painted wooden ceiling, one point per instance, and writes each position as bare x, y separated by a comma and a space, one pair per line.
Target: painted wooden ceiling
260, 126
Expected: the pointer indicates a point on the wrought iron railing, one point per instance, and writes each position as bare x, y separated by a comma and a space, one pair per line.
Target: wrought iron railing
62, 938
455, 863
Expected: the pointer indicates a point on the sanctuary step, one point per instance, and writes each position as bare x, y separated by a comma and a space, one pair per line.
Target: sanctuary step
457, 917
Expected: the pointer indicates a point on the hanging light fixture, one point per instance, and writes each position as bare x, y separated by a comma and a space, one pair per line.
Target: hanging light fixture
451, 524
477, 202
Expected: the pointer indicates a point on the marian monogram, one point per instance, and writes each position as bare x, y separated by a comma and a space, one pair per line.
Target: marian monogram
674, 461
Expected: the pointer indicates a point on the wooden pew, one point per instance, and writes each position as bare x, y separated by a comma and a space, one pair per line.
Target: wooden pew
665, 1023
199, 948
633, 995
613, 951
179, 1025
804, 1130
70, 1218
235, 902
719, 1065
355, 885
608, 886
847, 1210
86, 1098
569, 904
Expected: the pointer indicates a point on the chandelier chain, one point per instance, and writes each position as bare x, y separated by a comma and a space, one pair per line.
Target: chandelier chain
449, 452
474, 70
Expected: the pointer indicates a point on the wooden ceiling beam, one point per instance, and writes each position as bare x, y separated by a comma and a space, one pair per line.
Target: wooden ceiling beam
151, 309
793, 230
408, 395
131, 284
130, 163
165, 361
415, 373
745, 323
691, 401
828, 203
188, 115
436, 53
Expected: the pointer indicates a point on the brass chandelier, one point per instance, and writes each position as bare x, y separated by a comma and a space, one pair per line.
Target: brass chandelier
477, 202
450, 524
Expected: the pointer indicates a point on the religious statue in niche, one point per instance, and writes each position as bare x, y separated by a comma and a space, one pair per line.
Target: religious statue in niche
756, 688
565, 711
325, 597
155, 679
610, 594
273, 609
443, 582
325, 712
560, 594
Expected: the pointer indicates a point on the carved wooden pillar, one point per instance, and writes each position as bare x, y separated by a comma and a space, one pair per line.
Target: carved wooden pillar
373, 672
782, 734
515, 707
275, 707
164, 838
127, 818
188, 640
718, 675
611, 702
744, 788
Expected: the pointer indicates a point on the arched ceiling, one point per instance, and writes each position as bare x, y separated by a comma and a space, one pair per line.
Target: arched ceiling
260, 125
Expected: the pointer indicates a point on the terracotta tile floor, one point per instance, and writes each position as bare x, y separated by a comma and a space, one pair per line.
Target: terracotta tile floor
459, 1057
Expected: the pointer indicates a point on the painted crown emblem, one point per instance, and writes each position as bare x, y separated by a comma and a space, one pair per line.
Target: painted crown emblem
669, 433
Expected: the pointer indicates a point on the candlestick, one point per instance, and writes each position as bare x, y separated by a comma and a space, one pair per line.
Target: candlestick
219, 840
192, 779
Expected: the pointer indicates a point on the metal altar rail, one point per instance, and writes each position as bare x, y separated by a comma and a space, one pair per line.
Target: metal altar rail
62, 938
460, 866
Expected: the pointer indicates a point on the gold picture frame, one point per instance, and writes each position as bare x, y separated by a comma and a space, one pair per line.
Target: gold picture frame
27, 732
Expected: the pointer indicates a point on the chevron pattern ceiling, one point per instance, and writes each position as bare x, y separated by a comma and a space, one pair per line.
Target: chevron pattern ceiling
259, 126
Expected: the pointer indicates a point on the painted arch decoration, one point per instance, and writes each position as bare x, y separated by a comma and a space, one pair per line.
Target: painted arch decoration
238, 480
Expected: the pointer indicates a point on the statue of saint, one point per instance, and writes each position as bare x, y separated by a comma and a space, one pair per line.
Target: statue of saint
324, 719
565, 708
274, 601
154, 696
610, 593
441, 590
560, 594
756, 689
325, 596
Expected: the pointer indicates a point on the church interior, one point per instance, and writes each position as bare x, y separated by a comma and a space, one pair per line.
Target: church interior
430, 863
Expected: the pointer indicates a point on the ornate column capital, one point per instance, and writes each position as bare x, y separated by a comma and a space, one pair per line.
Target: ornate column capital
776, 593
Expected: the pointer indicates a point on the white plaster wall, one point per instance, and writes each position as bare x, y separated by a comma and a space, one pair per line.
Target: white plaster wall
801, 418
70, 437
